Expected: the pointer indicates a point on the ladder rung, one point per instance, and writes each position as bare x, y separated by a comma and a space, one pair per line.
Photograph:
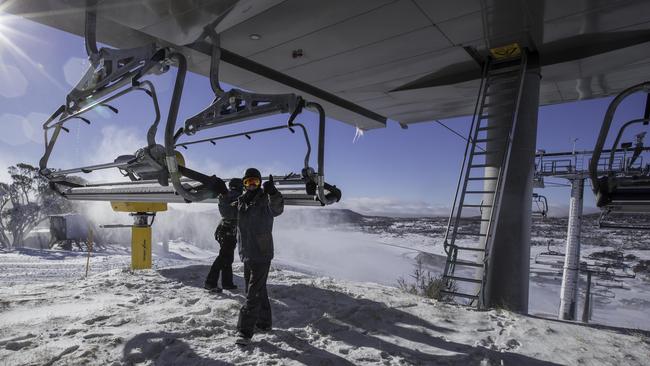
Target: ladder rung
488, 128
505, 70
471, 249
502, 76
470, 234
477, 192
487, 140
459, 294
464, 263
474, 218
515, 61
487, 152
482, 178
502, 81
481, 166
464, 279
473, 205
504, 91
499, 104
499, 115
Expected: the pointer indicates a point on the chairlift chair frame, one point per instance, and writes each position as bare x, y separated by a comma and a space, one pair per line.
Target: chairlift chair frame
114, 73
542, 205
626, 189
236, 106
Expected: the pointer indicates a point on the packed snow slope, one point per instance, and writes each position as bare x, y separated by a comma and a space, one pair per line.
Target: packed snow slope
163, 316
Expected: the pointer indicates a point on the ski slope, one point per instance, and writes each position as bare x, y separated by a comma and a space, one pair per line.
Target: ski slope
163, 316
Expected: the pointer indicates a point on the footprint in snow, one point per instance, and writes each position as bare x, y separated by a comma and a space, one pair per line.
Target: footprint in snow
190, 302
206, 310
17, 345
96, 319
16, 339
486, 329
487, 342
97, 335
175, 319
73, 331
119, 322
512, 344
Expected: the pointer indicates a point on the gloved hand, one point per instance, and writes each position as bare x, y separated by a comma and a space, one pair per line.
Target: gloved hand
269, 186
218, 185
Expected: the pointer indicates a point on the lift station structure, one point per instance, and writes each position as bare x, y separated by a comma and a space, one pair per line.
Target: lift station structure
364, 63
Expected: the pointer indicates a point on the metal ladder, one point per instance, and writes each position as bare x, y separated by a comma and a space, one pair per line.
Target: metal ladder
499, 97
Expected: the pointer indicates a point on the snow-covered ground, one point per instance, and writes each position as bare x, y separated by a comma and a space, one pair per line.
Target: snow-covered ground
164, 317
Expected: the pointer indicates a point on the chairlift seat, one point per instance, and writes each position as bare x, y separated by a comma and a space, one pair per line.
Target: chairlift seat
629, 193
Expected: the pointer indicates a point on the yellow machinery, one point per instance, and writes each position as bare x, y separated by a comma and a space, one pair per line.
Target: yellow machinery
141, 229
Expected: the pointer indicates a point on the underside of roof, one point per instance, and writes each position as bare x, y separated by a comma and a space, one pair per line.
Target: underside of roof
404, 60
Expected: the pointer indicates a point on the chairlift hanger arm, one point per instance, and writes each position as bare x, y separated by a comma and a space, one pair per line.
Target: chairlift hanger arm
604, 130
620, 135
236, 105
284, 79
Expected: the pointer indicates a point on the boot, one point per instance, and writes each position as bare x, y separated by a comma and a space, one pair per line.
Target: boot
212, 288
226, 279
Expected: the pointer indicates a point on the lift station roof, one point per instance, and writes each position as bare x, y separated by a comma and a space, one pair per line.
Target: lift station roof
368, 61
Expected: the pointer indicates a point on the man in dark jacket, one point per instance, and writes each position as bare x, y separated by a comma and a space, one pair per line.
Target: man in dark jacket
226, 235
256, 209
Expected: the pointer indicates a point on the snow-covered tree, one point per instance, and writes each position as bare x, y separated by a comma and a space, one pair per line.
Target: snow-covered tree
25, 202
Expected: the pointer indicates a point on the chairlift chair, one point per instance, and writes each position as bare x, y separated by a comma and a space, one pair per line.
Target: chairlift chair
236, 106
624, 188
550, 253
540, 208
114, 73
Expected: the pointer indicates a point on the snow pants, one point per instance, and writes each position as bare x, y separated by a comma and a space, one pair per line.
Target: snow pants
257, 309
227, 238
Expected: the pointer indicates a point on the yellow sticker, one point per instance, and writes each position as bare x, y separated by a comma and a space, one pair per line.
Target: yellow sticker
507, 51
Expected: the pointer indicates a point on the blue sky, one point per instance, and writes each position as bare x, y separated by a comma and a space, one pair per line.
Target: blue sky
387, 170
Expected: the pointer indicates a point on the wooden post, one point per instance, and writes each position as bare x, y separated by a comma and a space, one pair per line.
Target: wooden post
90, 249
587, 309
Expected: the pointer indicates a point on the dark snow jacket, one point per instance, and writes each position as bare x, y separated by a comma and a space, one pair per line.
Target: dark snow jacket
228, 206
227, 228
256, 211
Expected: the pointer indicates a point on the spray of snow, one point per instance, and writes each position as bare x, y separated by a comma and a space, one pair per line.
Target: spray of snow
388, 206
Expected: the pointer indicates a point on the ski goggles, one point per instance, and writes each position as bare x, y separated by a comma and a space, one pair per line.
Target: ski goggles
252, 181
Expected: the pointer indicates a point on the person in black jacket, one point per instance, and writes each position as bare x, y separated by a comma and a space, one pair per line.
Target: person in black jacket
256, 209
226, 235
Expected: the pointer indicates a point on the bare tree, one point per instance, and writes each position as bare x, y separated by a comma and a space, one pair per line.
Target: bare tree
25, 202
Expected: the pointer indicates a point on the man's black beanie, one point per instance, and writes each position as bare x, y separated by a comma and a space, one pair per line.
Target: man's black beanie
252, 173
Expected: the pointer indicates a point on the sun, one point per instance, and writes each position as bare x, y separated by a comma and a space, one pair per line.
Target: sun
12, 41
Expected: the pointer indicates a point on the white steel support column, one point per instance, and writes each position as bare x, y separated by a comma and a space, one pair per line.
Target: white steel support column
569, 291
